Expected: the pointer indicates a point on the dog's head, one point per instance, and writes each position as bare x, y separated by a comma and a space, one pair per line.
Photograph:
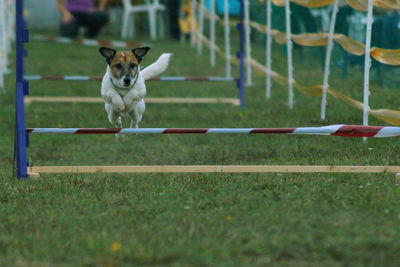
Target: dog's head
124, 65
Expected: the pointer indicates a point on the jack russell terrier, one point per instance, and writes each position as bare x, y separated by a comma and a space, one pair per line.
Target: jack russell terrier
123, 87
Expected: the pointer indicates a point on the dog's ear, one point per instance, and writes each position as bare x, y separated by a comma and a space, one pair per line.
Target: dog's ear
108, 53
140, 52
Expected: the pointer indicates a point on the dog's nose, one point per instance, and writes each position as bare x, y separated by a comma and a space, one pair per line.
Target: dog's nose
127, 81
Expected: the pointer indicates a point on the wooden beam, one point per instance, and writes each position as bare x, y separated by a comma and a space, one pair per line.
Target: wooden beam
159, 100
215, 169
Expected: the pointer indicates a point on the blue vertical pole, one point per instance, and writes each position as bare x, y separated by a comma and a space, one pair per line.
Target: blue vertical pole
240, 54
22, 88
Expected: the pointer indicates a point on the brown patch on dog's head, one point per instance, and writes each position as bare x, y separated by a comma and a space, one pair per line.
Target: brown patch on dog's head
124, 65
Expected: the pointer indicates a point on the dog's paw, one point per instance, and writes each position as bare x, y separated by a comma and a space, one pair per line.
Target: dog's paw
118, 107
128, 103
120, 137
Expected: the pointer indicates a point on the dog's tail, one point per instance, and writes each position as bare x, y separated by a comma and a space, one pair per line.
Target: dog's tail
158, 67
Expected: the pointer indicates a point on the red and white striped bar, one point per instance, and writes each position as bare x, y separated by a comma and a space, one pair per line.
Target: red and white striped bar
88, 42
99, 78
195, 79
335, 130
62, 78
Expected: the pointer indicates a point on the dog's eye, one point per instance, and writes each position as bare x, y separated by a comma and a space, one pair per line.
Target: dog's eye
132, 65
118, 66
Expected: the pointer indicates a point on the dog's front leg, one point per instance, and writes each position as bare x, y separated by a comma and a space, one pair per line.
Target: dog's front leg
113, 98
120, 137
114, 118
136, 113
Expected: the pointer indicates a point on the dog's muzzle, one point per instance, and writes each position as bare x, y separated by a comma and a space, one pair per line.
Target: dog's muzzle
127, 82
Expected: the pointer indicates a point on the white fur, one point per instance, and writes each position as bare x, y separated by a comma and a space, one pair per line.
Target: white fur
130, 102
156, 68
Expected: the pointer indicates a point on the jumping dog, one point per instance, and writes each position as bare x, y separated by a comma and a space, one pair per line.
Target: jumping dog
123, 86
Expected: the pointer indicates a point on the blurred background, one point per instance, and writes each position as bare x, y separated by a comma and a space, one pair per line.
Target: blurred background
139, 23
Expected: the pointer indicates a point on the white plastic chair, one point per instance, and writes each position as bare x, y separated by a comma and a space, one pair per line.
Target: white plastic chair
128, 20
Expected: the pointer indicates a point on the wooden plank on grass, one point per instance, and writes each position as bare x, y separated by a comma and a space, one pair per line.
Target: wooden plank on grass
158, 100
215, 169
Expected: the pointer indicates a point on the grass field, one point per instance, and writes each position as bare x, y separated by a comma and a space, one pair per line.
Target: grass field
197, 219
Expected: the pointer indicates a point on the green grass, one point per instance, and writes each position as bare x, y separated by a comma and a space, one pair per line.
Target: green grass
197, 219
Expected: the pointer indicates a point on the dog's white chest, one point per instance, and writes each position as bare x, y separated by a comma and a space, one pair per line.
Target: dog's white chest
122, 92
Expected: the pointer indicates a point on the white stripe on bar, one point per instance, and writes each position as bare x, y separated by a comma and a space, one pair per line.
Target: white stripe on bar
64, 40
118, 44
143, 130
172, 78
221, 79
55, 130
76, 77
89, 42
325, 130
388, 131
33, 77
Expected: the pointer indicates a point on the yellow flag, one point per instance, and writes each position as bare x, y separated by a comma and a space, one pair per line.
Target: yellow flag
386, 56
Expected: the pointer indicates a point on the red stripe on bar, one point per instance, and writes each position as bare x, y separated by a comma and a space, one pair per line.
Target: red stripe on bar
272, 130
98, 131
103, 42
29, 130
185, 131
53, 78
357, 131
78, 41
132, 44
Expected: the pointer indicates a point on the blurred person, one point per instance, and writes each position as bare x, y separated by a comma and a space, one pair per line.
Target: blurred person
77, 13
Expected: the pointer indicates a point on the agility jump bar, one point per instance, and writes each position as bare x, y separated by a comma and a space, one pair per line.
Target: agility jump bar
154, 100
88, 42
99, 78
335, 130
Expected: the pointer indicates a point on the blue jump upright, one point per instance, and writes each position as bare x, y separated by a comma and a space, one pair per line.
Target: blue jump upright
21, 89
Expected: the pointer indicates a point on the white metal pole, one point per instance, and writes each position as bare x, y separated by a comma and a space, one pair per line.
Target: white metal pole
3, 40
2, 89
268, 46
6, 32
5, 25
249, 80
227, 32
201, 28
289, 46
367, 63
12, 20
192, 23
212, 33
329, 48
